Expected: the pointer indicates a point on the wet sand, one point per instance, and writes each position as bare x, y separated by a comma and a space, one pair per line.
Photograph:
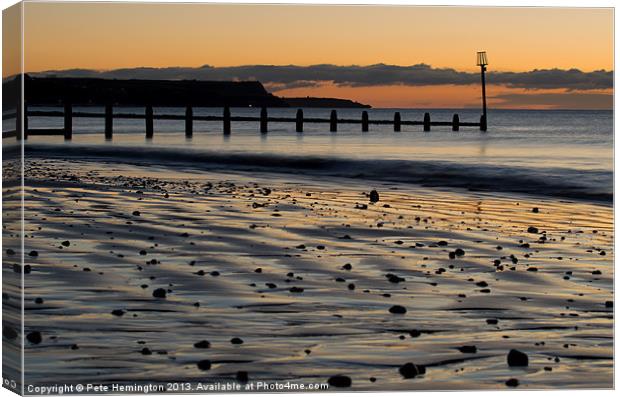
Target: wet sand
307, 274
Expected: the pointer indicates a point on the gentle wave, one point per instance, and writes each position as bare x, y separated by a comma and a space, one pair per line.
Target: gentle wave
591, 185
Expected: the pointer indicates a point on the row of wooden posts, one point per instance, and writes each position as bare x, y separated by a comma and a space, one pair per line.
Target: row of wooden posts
68, 114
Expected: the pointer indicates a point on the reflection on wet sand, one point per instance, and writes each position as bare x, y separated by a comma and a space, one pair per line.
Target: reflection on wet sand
142, 274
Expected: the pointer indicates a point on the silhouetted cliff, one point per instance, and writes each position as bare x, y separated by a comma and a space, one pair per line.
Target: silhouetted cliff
98, 91
87, 91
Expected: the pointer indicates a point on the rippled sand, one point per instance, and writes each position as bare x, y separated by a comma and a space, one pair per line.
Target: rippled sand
548, 302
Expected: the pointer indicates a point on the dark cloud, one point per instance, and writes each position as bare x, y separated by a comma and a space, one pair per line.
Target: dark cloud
569, 100
292, 76
572, 79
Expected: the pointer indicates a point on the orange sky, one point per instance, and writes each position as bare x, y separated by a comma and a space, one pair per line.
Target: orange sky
112, 35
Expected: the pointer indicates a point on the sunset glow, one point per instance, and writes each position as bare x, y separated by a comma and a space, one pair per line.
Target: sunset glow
110, 36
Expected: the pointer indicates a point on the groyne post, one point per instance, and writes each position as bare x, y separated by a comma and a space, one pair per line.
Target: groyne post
226, 120
108, 121
68, 122
397, 122
189, 122
364, 121
148, 115
455, 122
299, 121
427, 122
483, 123
333, 121
263, 120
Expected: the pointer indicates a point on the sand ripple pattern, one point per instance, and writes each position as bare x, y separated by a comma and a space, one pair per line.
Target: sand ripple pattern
304, 273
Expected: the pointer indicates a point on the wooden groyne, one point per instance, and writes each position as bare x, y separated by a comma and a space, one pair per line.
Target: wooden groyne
263, 120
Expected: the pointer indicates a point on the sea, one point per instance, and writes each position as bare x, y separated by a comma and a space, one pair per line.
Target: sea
564, 154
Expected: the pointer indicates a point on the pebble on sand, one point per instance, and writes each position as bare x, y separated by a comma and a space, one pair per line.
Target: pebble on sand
411, 370
512, 382
236, 341
374, 196
118, 312
516, 358
468, 349
397, 309
204, 365
159, 293
203, 344
392, 278
532, 229
339, 381
34, 337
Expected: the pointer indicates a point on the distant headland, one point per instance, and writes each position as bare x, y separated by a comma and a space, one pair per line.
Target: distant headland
310, 102
135, 92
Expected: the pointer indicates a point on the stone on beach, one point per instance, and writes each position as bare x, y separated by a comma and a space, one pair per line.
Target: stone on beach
339, 381
397, 309
392, 278
411, 370
468, 349
159, 293
34, 337
203, 344
512, 382
204, 365
516, 358
374, 196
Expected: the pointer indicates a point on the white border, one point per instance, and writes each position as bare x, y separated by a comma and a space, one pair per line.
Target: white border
487, 3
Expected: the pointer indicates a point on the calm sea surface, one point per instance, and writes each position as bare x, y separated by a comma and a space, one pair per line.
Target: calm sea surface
565, 154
